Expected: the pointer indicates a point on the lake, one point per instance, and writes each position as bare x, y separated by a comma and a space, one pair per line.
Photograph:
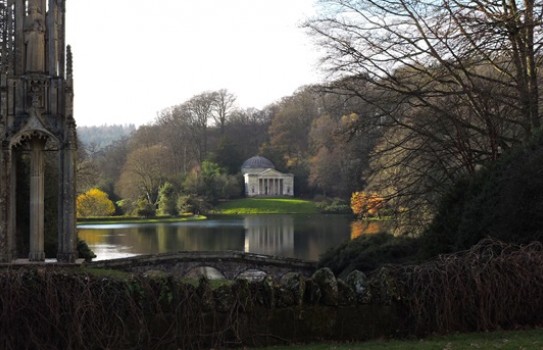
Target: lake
297, 236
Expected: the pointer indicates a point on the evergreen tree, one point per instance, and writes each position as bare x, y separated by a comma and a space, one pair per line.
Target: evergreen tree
167, 201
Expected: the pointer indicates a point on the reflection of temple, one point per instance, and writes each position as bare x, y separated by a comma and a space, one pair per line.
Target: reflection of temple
271, 235
261, 179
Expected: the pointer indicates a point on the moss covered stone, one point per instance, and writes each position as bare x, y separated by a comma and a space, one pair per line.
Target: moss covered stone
294, 283
358, 281
327, 283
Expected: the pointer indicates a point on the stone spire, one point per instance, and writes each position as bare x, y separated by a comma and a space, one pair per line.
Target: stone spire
69, 64
36, 114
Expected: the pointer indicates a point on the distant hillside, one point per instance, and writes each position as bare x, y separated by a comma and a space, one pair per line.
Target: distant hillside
102, 136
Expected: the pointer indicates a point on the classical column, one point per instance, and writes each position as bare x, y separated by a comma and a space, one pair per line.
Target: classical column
36, 199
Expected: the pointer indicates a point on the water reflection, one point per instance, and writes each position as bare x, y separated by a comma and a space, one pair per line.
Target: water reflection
271, 234
359, 228
299, 236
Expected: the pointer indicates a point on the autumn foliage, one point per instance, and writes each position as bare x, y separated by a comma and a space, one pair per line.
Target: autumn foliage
94, 202
365, 204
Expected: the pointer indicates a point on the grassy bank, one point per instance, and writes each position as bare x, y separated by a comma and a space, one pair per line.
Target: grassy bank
136, 220
266, 206
233, 207
511, 340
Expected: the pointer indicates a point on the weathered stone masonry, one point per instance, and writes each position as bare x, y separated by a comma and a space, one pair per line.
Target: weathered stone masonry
36, 115
229, 264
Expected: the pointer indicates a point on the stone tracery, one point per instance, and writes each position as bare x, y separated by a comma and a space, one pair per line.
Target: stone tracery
35, 115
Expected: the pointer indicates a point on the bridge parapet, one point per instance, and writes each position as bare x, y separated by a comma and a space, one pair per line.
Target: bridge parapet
228, 264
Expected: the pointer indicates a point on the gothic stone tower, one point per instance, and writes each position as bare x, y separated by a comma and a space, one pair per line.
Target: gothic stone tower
36, 117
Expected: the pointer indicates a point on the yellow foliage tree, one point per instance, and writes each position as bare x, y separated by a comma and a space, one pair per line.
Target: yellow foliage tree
366, 204
94, 202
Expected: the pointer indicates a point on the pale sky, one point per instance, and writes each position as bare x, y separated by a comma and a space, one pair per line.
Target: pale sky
133, 58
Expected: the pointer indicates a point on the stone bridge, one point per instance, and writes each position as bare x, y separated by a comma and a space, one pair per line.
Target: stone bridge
214, 265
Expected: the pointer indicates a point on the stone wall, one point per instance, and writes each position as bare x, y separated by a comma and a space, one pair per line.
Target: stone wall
492, 286
61, 308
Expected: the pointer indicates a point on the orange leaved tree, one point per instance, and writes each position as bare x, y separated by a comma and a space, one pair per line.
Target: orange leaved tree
364, 204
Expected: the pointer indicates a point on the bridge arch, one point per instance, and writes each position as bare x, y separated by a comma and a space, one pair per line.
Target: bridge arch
206, 271
252, 275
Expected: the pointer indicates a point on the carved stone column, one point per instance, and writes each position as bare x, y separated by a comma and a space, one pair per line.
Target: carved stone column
34, 33
36, 199
67, 238
5, 181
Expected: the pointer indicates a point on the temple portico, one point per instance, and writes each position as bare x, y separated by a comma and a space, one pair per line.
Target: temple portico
270, 186
261, 179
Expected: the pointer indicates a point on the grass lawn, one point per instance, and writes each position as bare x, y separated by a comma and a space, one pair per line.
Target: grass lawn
266, 206
513, 340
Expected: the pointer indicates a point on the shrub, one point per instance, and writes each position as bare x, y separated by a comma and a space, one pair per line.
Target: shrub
193, 204
211, 182
94, 202
367, 253
503, 201
84, 252
333, 206
167, 204
145, 209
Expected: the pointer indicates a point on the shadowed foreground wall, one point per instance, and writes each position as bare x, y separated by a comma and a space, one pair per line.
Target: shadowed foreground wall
492, 286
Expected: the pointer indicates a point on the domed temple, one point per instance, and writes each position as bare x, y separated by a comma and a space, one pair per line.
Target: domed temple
261, 179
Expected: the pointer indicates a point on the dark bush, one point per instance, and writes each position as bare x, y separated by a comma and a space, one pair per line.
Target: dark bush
84, 252
503, 201
366, 253
333, 206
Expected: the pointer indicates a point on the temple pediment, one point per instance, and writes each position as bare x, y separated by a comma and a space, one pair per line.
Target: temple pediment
273, 173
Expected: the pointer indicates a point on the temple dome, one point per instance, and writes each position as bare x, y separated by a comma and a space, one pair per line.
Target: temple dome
257, 162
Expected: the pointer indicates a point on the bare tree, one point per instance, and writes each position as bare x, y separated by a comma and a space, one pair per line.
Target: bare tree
421, 50
175, 131
453, 82
144, 173
338, 161
248, 128
291, 124
223, 107
198, 110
